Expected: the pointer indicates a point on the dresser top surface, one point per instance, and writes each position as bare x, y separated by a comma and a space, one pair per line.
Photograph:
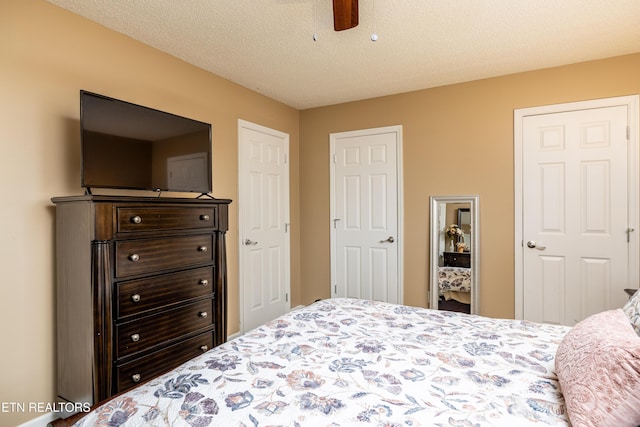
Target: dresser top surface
137, 199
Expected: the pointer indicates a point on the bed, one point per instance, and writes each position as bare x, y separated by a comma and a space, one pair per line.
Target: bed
350, 362
454, 283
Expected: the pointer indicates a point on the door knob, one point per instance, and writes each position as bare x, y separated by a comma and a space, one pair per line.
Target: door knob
250, 242
531, 244
389, 239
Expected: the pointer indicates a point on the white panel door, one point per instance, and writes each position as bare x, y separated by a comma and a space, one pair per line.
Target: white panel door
365, 221
188, 172
576, 237
264, 224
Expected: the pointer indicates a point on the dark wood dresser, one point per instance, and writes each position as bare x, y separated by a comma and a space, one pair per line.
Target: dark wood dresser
141, 288
457, 259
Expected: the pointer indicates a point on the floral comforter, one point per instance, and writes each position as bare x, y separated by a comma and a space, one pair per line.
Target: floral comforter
456, 279
347, 362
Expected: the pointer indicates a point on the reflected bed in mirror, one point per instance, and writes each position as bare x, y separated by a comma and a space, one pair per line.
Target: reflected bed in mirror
454, 283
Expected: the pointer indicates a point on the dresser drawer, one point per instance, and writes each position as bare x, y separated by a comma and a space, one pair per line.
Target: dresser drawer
457, 259
157, 218
148, 367
150, 255
138, 296
142, 334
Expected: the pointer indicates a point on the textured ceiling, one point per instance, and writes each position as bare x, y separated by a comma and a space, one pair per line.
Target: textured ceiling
268, 46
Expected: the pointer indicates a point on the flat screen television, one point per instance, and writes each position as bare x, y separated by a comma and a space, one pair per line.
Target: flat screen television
128, 146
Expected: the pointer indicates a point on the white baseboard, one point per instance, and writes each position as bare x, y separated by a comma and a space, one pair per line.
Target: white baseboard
232, 336
42, 421
237, 334
47, 417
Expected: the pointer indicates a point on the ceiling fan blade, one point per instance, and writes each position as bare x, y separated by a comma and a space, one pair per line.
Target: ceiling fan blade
345, 14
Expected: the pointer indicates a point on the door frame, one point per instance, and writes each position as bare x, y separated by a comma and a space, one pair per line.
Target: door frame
243, 124
397, 129
631, 102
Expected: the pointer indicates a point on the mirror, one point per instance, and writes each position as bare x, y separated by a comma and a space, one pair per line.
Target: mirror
454, 275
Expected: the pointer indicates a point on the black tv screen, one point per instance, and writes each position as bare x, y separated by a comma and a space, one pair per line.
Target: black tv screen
128, 146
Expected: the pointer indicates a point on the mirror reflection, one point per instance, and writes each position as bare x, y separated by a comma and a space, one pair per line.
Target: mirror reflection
454, 243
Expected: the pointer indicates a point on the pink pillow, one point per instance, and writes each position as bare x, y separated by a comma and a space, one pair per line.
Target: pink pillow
598, 366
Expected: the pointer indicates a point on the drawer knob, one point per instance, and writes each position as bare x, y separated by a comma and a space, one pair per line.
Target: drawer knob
204, 217
136, 219
135, 298
136, 378
204, 348
134, 257
203, 314
202, 249
135, 337
203, 282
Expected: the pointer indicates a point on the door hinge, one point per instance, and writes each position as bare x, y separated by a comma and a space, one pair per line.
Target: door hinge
334, 158
286, 297
286, 227
335, 222
285, 158
335, 289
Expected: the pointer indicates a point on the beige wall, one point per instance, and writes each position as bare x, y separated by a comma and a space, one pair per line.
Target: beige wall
473, 120
46, 56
